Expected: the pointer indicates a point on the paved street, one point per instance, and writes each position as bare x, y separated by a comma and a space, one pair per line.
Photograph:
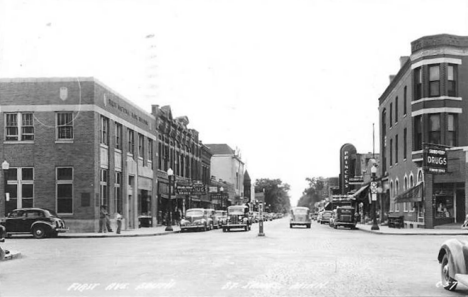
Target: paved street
319, 261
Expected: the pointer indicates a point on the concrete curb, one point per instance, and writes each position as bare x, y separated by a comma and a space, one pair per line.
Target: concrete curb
102, 235
410, 233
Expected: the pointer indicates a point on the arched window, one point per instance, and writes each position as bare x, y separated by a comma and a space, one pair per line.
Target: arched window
392, 192
411, 182
397, 205
420, 176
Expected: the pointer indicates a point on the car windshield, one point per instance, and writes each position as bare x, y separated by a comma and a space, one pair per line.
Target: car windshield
236, 210
194, 213
300, 211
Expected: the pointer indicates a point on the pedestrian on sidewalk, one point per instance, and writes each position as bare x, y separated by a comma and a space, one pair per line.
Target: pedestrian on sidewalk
102, 219
177, 216
119, 219
108, 225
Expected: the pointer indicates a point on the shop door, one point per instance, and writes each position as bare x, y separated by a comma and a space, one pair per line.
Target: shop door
460, 215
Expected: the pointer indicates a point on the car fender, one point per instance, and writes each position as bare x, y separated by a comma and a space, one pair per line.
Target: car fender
48, 226
457, 252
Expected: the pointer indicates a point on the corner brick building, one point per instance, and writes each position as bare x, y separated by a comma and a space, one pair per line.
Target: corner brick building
73, 144
426, 104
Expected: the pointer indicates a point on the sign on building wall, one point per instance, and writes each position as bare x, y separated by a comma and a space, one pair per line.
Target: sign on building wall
347, 152
435, 159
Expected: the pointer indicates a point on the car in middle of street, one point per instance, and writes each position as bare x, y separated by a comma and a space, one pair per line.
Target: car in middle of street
196, 219
300, 216
324, 217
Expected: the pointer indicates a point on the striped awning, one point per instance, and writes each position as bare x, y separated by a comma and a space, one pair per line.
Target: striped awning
411, 195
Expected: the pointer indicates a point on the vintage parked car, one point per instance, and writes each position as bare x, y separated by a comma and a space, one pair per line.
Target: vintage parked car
343, 216
314, 215
300, 216
238, 217
453, 259
39, 222
220, 218
324, 217
197, 219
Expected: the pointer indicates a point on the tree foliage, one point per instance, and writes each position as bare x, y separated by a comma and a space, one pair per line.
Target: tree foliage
317, 190
276, 194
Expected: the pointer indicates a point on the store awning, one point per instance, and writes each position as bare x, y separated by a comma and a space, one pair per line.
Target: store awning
361, 193
412, 195
328, 206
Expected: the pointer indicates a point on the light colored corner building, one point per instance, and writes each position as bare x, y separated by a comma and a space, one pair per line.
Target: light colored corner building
425, 104
227, 165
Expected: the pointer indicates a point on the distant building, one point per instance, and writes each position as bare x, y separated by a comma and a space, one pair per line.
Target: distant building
227, 165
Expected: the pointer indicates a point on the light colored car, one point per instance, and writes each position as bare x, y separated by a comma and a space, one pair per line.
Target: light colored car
453, 261
196, 219
220, 218
324, 217
300, 216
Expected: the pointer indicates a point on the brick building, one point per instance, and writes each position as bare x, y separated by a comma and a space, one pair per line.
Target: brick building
425, 104
74, 144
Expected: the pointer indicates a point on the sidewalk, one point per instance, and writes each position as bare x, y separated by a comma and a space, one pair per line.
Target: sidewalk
150, 231
414, 231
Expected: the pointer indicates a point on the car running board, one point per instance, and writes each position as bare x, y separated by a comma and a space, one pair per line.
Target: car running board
462, 278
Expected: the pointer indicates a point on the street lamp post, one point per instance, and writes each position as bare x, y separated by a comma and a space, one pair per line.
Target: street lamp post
169, 209
5, 168
374, 197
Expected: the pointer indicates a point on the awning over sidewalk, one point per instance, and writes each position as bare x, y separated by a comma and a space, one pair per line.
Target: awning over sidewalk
361, 193
412, 195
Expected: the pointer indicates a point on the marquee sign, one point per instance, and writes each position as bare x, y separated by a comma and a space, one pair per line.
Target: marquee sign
435, 159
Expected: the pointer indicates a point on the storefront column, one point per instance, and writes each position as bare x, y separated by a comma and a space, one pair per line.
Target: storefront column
428, 201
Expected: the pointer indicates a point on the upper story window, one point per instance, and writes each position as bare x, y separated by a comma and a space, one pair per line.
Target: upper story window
19, 127
405, 100
391, 152
417, 134
65, 125
396, 109
451, 129
452, 80
434, 80
141, 146
384, 122
418, 83
434, 128
391, 115
131, 141
104, 130
405, 142
118, 136
150, 152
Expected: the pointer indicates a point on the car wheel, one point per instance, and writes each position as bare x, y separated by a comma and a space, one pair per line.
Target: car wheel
2, 254
246, 228
205, 228
39, 232
447, 282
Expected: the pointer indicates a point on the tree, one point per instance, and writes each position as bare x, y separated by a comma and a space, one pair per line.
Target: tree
276, 194
316, 191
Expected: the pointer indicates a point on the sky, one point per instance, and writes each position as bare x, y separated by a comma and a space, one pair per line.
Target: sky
287, 82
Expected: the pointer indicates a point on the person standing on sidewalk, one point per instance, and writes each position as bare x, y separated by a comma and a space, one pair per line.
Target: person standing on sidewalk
102, 220
119, 219
108, 226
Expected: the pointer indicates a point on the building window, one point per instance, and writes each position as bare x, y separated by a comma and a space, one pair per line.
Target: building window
417, 133
118, 191
391, 152
64, 125
392, 192
160, 154
434, 128
141, 146
131, 141
391, 115
118, 136
452, 80
452, 129
434, 81
418, 83
405, 187
150, 153
19, 126
397, 205
396, 149
20, 188
396, 110
104, 130
405, 145
405, 100
64, 182
103, 187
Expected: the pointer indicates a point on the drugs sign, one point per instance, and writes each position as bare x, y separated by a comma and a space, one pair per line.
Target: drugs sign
435, 159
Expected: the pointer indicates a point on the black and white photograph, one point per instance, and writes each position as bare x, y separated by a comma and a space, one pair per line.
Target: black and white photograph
217, 148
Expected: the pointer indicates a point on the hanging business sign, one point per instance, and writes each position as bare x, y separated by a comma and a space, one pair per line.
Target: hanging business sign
435, 159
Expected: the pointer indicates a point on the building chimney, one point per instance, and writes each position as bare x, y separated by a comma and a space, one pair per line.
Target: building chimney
391, 77
403, 60
154, 109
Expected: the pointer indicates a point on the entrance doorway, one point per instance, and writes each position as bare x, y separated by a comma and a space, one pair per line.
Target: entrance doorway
460, 206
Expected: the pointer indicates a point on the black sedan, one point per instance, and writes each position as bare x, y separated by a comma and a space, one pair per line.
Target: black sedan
36, 221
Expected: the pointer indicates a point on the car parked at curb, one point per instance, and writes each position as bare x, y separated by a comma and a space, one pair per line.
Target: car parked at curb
324, 217
39, 222
196, 219
343, 216
220, 218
